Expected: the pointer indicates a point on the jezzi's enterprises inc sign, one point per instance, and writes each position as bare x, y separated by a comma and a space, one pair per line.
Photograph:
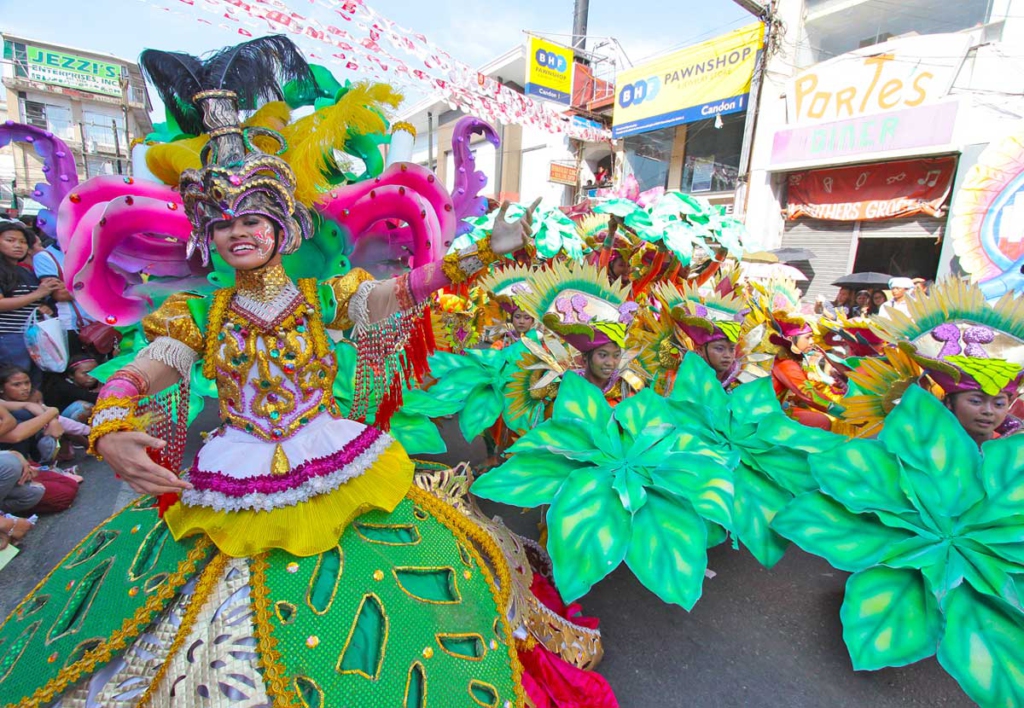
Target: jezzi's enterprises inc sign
59, 69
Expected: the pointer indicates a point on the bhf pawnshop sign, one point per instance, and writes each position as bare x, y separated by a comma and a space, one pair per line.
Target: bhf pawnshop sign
70, 71
696, 83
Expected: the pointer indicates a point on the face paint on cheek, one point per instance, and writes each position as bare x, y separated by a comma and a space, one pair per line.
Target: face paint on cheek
264, 242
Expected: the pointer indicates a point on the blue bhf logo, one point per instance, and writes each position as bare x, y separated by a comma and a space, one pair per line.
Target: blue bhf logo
636, 93
550, 60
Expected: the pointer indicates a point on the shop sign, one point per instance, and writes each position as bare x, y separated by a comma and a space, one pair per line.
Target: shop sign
871, 192
59, 69
549, 71
699, 82
903, 73
563, 174
911, 128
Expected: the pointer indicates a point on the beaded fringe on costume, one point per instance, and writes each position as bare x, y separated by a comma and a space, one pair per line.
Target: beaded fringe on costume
391, 356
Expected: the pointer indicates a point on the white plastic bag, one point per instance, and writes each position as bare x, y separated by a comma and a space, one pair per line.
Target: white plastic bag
47, 342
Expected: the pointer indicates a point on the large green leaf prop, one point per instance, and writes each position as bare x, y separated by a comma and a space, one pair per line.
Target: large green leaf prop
680, 221
773, 451
471, 385
412, 427
933, 530
624, 484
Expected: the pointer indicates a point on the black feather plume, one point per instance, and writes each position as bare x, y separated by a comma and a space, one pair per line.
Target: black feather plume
254, 70
257, 69
177, 77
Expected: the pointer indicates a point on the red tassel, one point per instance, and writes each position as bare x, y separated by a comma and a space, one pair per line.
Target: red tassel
166, 501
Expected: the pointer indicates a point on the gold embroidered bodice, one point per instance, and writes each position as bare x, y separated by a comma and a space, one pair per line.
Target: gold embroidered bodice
273, 376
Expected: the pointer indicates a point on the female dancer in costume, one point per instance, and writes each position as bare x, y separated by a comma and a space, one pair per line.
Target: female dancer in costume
577, 303
300, 564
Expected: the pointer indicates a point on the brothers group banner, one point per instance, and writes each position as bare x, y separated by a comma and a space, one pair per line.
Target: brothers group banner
709, 79
549, 71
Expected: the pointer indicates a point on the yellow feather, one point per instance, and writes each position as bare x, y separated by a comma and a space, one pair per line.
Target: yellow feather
312, 139
167, 161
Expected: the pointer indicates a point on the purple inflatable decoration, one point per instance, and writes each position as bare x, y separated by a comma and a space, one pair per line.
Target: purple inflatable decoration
468, 182
58, 165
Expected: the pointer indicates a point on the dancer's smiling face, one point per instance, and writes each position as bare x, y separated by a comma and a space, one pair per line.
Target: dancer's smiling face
247, 242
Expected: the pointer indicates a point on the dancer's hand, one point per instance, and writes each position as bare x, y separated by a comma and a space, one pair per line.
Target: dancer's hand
126, 454
510, 237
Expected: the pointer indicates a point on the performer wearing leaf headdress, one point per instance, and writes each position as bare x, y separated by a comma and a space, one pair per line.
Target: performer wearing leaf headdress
802, 392
295, 562
710, 324
506, 287
576, 302
971, 351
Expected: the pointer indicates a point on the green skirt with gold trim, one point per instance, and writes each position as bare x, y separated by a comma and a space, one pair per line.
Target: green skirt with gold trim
405, 607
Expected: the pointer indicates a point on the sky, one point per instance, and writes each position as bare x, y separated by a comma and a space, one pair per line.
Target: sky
473, 31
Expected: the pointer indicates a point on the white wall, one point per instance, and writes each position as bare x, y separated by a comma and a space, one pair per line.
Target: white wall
539, 150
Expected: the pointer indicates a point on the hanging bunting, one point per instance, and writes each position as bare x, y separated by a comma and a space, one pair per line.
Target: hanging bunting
356, 45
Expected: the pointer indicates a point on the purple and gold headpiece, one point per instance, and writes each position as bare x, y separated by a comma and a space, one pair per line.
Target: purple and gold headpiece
712, 316
238, 179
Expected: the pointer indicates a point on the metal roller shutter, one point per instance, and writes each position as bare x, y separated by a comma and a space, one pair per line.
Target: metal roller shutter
831, 242
920, 227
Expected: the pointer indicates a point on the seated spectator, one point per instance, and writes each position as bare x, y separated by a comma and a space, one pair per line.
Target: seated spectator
48, 264
20, 294
25, 403
26, 491
74, 392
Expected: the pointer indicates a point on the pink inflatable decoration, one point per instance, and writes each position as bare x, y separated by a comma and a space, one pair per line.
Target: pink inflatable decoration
405, 193
114, 230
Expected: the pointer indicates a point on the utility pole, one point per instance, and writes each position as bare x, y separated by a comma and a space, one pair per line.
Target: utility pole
766, 14
124, 82
580, 16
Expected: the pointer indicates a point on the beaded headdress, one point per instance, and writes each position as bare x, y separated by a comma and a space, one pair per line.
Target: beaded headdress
237, 178
575, 301
961, 341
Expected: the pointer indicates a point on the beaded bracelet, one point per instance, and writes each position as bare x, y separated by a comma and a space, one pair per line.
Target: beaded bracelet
116, 408
452, 265
113, 414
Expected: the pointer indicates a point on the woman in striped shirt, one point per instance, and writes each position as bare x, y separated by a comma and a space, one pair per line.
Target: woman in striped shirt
20, 294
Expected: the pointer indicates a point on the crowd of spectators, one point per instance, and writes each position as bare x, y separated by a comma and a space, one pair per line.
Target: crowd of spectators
43, 415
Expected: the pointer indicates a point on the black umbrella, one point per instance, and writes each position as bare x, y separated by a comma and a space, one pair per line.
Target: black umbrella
793, 255
864, 280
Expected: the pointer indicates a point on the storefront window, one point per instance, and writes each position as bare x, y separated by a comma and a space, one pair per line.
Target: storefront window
713, 155
648, 156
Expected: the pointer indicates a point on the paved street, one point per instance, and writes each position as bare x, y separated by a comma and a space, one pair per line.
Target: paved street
756, 638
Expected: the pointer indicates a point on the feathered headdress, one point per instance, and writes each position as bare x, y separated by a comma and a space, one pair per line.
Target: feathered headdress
237, 178
576, 302
704, 317
959, 339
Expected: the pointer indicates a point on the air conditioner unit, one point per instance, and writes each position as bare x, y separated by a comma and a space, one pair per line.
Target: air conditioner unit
90, 147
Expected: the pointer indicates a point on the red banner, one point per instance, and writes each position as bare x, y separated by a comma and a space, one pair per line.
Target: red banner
872, 192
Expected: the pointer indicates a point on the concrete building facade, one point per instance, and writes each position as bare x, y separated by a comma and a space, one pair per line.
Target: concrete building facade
870, 114
94, 102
